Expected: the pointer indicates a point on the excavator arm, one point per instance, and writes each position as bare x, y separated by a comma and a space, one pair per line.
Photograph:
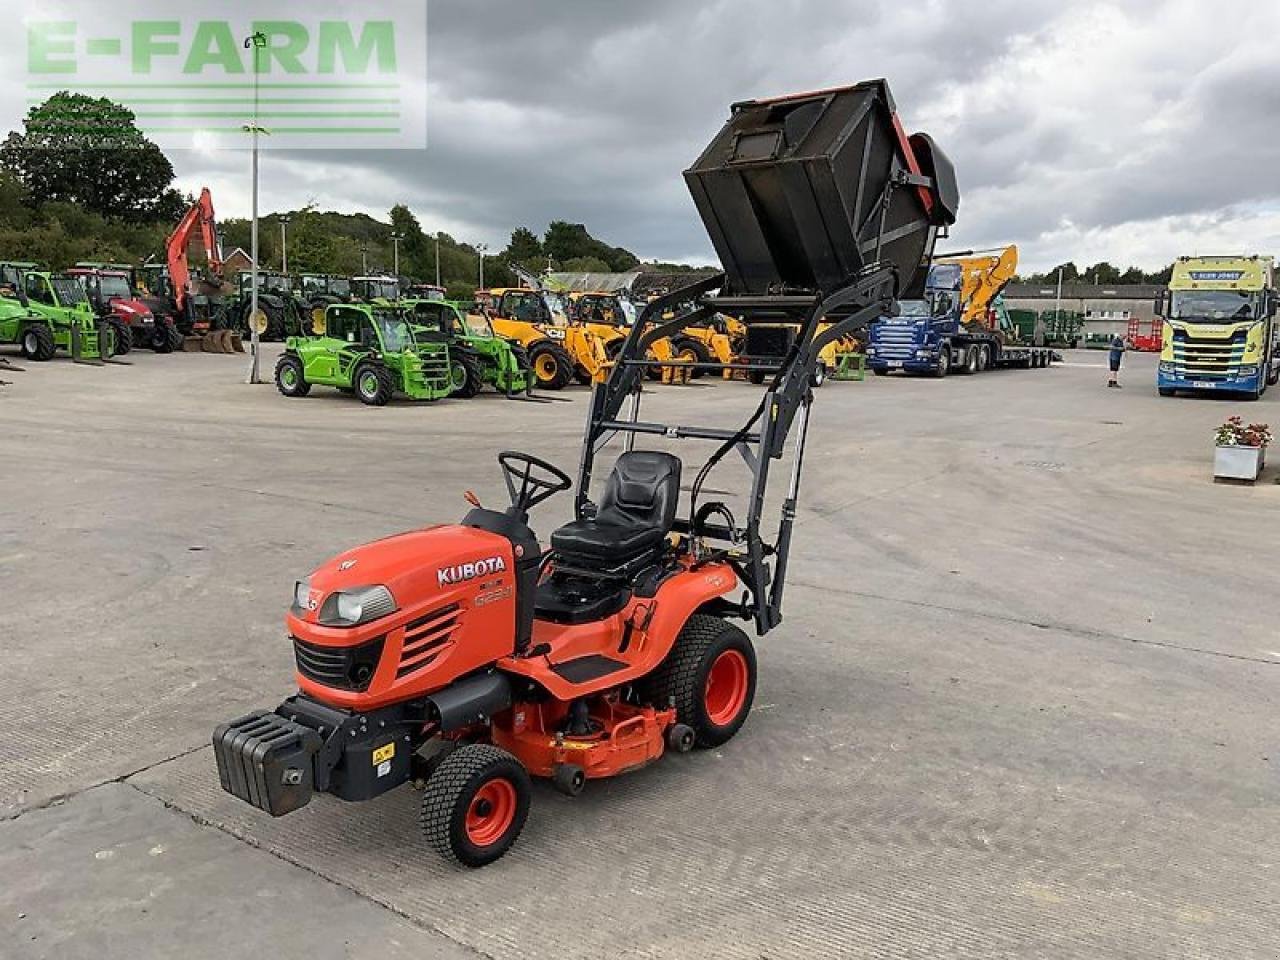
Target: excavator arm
200, 217
985, 274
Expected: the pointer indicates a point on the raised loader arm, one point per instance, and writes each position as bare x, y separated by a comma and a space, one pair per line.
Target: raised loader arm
200, 217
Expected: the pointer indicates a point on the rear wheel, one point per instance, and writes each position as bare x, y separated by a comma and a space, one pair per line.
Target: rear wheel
475, 804
289, 377
465, 371
971, 360
710, 677
552, 365
984, 358
38, 343
374, 385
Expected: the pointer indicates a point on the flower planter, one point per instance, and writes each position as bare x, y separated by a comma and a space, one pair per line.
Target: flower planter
1238, 463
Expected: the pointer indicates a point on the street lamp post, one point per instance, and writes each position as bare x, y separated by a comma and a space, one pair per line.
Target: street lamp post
437, 259
284, 244
481, 248
395, 244
364, 258
255, 43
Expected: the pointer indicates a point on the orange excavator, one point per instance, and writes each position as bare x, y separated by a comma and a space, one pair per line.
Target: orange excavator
196, 303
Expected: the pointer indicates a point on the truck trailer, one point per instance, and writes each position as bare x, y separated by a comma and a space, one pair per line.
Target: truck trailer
1220, 327
960, 325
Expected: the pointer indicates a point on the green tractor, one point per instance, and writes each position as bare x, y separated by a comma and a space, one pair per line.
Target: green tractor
369, 350
482, 355
277, 302
380, 290
45, 312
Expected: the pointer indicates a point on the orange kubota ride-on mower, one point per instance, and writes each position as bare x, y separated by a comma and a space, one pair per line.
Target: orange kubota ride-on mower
467, 659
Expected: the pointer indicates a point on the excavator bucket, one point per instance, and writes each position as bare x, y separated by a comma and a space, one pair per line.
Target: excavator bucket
216, 341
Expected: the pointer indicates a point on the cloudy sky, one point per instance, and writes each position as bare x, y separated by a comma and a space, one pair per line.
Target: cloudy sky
1129, 131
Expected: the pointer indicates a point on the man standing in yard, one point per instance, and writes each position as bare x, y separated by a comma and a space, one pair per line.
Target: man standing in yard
1114, 358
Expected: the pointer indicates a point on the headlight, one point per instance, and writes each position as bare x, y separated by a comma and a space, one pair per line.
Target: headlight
347, 608
1166, 368
301, 594
871, 351
922, 354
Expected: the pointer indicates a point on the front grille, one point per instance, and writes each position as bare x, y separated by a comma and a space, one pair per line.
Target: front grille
426, 637
894, 341
1208, 358
345, 668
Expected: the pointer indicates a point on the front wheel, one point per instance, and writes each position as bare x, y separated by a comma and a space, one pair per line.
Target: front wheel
119, 340
161, 342
289, 377
374, 385
944, 363
1167, 391
710, 677
466, 376
552, 365
475, 804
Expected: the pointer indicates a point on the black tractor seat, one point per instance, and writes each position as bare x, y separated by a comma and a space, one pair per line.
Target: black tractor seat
635, 515
595, 561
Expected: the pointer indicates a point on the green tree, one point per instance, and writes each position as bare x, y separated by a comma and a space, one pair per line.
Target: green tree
524, 246
88, 151
416, 259
571, 241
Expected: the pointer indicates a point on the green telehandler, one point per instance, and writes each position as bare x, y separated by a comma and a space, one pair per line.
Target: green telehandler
480, 356
45, 312
369, 350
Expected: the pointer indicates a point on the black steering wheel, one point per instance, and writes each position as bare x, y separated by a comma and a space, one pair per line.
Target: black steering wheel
527, 487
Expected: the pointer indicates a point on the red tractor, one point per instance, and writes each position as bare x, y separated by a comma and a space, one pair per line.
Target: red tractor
466, 659
112, 289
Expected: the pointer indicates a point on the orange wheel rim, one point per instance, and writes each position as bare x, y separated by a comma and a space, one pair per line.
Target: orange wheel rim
726, 690
491, 813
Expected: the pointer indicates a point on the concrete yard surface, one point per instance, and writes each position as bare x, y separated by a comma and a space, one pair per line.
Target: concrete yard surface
1023, 702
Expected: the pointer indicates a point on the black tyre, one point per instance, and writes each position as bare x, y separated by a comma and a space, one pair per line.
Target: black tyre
290, 380
175, 338
475, 804
38, 343
121, 340
466, 375
984, 358
710, 677
819, 375
880, 371
552, 365
161, 342
1167, 391
690, 350
374, 385
756, 376
277, 327
970, 361
944, 363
